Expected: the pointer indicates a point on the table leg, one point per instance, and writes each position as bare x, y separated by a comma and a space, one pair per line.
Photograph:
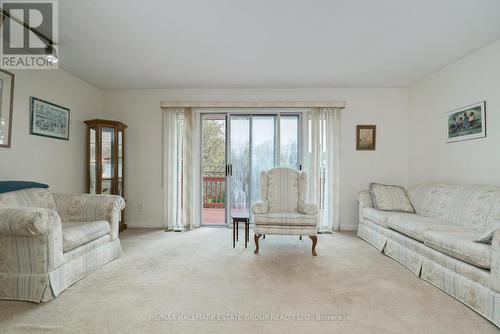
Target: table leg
237, 229
234, 236
246, 234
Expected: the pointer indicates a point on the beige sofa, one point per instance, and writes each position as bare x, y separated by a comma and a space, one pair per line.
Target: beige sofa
437, 242
50, 241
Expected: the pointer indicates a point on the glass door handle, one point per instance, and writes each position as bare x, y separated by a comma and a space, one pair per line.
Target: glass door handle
229, 169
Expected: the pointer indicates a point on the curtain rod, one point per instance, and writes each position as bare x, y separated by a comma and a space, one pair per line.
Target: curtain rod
252, 104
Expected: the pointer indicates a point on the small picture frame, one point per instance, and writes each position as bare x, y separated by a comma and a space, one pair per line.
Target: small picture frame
49, 119
366, 136
466, 123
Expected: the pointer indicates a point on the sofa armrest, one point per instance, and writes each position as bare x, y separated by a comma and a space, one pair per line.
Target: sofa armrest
31, 240
308, 208
364, 201
495, 261
27, 221
89, 207
260, 207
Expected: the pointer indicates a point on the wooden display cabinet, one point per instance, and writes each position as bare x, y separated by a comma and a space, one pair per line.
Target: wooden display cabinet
106, 159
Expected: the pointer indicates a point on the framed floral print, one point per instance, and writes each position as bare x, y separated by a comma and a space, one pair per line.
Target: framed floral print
366, 137
6, 101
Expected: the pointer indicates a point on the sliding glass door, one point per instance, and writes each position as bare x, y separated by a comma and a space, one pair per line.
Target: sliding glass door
237, 148
264, 153
239, 165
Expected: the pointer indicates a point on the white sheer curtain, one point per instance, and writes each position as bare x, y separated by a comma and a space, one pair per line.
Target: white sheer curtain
181, 211
323, 165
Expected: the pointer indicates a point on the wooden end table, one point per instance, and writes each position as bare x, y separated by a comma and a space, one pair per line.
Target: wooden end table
241, 219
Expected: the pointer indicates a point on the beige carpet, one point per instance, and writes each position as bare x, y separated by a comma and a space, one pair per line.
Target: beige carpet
175, 277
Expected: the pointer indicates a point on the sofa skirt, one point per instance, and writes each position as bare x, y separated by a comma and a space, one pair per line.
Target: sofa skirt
45, 287
466, 283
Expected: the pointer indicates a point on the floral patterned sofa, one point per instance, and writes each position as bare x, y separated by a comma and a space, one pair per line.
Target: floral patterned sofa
49, 241
438, 242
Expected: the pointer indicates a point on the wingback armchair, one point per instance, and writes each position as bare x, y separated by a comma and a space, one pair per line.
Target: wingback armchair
283, 209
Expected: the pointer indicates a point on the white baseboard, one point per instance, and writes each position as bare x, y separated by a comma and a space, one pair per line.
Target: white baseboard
159, 225
144, 225
349, 227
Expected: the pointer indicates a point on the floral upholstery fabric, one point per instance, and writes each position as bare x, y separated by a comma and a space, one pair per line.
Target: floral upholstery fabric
460, 245
28, 221
33, 197
390, 198
282, 190
86, 207
414, 227
285, 230
437, 244
487, 237
380, 217
33, 266
260, 207
76, 234
8, 199
474, 206
291, 219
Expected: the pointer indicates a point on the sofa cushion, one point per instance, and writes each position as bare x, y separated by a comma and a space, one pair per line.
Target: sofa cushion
390, 198
8, 199
474, 206
380, 217
293, 219
461, 246
415, 226
76, 234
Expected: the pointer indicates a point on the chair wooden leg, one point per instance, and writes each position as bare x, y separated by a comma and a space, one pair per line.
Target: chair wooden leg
256, 239
314, 241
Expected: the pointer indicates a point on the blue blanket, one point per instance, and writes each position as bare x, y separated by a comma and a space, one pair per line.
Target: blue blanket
8, 186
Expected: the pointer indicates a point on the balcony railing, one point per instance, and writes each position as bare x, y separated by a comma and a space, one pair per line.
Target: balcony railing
214, 190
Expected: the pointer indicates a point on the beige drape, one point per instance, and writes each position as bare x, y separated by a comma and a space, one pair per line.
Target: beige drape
179, 196
324, 165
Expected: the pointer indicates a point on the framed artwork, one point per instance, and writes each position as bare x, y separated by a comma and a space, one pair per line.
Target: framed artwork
6, 100
49, 120
467, 123
366, 137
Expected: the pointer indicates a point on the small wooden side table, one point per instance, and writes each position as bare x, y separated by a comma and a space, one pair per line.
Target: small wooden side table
241, 219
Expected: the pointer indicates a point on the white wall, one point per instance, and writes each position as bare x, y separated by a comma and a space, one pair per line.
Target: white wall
387, 108
472, 79
59, 163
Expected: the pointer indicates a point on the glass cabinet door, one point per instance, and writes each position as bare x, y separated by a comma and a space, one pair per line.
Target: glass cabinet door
107, 160
92, 160
120, 162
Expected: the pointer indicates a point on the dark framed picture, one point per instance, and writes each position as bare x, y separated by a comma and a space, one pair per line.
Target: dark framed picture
366, 136
6, 100
467, 123
49, 119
